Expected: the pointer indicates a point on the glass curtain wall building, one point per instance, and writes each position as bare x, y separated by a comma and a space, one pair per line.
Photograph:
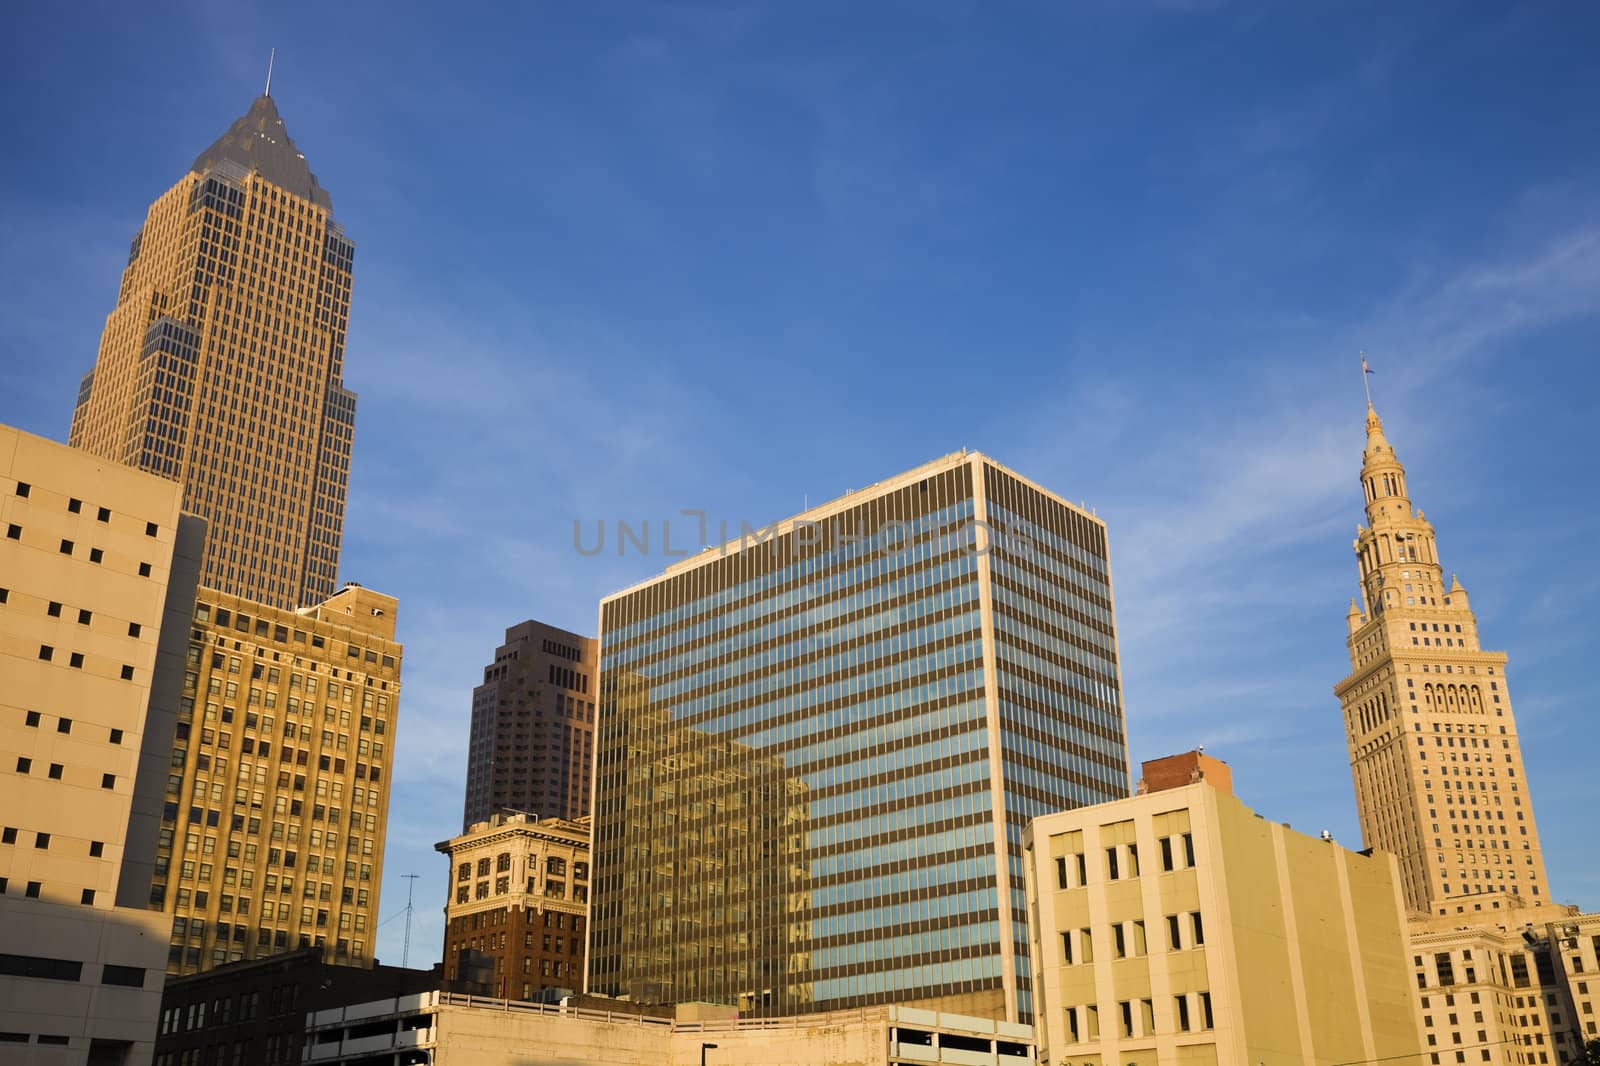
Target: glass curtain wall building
819, 744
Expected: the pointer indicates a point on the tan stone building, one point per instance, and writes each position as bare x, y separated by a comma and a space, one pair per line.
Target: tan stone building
221, 366
1514, 985
277, 796
531, 748
442, 1029
97, 579
1180, 927
516, 916
1433, 742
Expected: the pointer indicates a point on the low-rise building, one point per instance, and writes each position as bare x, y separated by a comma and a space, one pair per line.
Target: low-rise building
254, 1013
1511, 984
516, 916
446, 1029
1180, 927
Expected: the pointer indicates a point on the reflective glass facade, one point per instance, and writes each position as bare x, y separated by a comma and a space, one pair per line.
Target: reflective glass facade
818, 747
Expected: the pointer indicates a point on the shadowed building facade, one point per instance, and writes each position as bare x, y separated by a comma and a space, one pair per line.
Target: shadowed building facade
221, 366
818, 747
532, 741
1433, 744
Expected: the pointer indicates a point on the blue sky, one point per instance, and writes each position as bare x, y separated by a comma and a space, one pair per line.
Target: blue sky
618, 260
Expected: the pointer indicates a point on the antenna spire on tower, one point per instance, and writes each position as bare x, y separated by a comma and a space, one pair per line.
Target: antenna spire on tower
271, 56
1365, 384
405, 951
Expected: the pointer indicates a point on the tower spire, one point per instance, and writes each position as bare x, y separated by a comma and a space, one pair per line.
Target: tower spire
273, 55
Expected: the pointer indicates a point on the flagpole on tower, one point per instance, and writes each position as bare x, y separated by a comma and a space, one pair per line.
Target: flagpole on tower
1365, 384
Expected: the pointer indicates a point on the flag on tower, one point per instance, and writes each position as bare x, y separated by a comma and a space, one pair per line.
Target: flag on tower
1365, 369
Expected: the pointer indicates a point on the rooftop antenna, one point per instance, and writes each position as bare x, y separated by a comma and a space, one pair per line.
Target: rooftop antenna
405, 951
271, 56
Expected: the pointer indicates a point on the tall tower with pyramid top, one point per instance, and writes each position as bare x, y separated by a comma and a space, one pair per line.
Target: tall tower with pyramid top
1433, 743
221, 366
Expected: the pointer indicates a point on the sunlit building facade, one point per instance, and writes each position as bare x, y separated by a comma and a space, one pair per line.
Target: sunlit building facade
277, 796
819, 744
221, 366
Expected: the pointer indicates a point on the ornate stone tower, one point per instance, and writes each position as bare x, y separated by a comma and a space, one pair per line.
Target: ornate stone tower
1433, 743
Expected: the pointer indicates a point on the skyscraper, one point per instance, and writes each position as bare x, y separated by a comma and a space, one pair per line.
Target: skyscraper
1433, 743
818, 747
221, 365
532, 739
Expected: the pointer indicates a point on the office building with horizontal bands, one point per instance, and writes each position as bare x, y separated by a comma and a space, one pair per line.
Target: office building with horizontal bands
1433, 743
532, 741
221, 366
1514, 984
516, 913
97, 577
818, 747
1179, 927
277, 795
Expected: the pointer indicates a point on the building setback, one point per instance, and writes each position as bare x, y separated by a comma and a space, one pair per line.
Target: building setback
1180, 927
1433, 743
221, 366
818, 747
97, 579
532, 739
277, 796
517, 907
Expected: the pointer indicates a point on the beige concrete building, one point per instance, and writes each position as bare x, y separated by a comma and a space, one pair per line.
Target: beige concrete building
1514, 985
1180, 927
277, 796
453, 1030
221, 366
1433, 743
97, 579
531, 748
516, 913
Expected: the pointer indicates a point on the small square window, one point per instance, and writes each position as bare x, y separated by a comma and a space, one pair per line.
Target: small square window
66, 547
108, 780
96, 555
24, 764
63, 725
5, 594
133, 629
149, 529
88, 897
56, 769
31, 718
104, 514
74, 505
76, 660
144, 569
116, 736
127, 673
53, 610
14, 531
46, 652
84, 617
8, 835
96, 849
41, 841
23, 488
32, 891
